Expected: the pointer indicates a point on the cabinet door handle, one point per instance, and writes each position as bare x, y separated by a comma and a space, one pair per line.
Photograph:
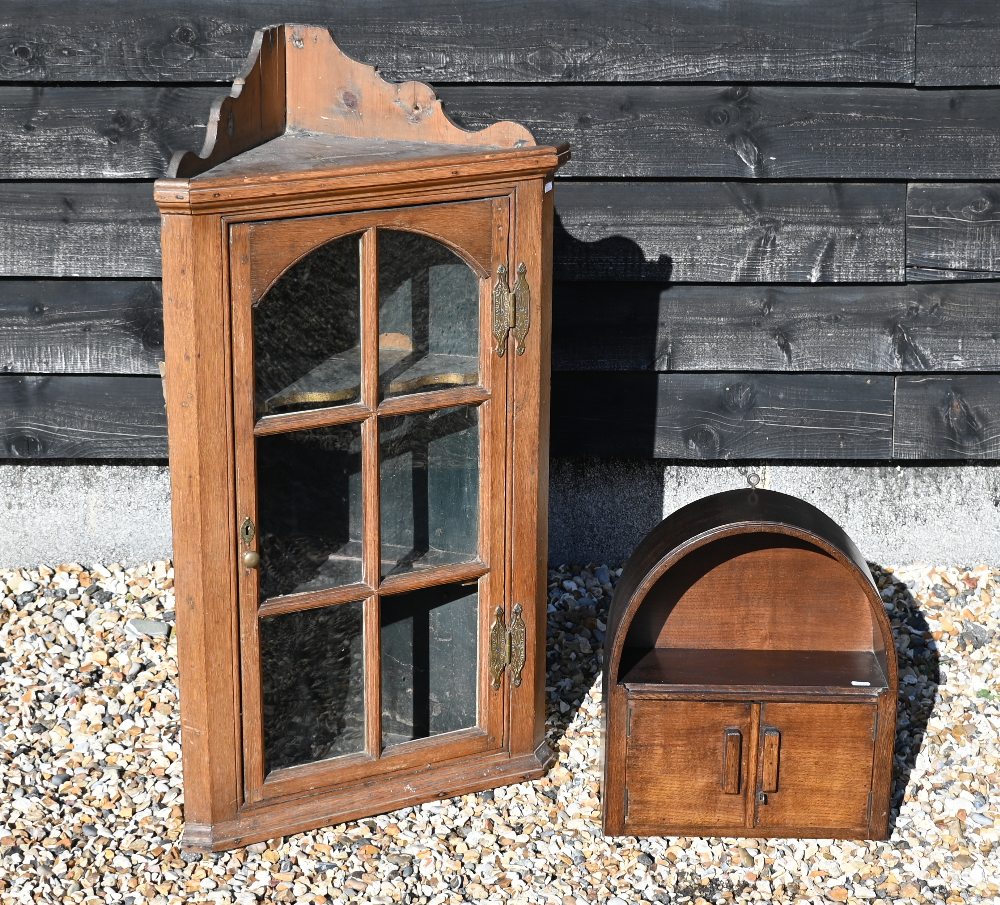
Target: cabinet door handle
769, 770
732, 750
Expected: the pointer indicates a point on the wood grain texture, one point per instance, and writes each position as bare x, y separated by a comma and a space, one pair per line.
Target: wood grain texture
712, 132
958, 42
872, 329
723, 416
199, 399
730, 232
753, 132
817, 766
253, 112
711, 602
81, 417
489, 40
953, 231
947, 417
97, 132
674, 765
779, 674
78, 229
114, 327
81, 326
330, 91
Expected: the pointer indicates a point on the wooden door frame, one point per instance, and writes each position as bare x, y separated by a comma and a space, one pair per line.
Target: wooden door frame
489, 735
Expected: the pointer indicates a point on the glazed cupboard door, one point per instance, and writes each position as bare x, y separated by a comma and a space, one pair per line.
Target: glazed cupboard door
370, 424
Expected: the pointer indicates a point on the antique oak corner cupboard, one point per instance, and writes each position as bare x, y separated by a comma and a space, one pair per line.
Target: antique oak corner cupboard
750, 687
356, 301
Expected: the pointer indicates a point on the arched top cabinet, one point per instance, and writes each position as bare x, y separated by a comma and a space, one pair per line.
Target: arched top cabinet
750, 677
356, 306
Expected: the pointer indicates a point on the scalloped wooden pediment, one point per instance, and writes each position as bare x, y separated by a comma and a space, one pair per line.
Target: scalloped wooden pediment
297, 79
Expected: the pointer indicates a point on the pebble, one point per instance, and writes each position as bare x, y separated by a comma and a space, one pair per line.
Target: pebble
91, 794
147, 628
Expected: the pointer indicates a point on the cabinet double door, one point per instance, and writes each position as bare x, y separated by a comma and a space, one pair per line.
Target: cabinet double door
370, 423
749, 768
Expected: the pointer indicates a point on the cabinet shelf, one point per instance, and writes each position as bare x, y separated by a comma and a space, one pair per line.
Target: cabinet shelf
755, 671
401, 370
341, 570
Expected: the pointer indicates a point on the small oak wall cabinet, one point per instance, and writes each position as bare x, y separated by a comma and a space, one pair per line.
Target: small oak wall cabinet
356, 299
750, 682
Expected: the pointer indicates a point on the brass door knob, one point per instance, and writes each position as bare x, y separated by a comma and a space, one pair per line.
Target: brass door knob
251, 559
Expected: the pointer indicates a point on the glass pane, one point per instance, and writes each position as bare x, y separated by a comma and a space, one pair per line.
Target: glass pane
429, 668
312, 675
309, 509
428, 315
430, 488
306, 332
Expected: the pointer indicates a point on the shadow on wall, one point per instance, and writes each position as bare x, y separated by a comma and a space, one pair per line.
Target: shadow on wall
919, 676
580, 483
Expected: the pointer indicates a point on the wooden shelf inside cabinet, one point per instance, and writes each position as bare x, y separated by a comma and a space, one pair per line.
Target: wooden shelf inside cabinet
751, 681
338, 379
776, 673
357, 314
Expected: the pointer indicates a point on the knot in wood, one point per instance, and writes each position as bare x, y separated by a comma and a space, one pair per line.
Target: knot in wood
703, 440
960, 420
738, 397
979, 207
719, 116
184, 34
25, 446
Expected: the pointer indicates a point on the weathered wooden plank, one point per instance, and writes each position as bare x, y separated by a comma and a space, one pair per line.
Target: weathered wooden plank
947, 417
682, 231
98, 132
486, 40
115, 327
79, 229
77, 417
730, 232
953, 231
699, 131
650, 131
869, 329
80, 326
723, 416
958, 42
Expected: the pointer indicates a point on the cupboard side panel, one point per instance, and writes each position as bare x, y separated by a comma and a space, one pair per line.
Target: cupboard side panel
196, 342
882, 773
532, 245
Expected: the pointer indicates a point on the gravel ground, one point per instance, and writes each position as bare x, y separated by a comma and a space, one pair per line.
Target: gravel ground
90, 779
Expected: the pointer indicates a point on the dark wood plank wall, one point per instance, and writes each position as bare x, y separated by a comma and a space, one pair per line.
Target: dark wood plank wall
779, 236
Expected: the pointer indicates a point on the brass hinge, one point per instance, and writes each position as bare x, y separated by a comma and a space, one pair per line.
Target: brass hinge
875, 726
507, 647
625, 814
868, 818
628, 722
511, 309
